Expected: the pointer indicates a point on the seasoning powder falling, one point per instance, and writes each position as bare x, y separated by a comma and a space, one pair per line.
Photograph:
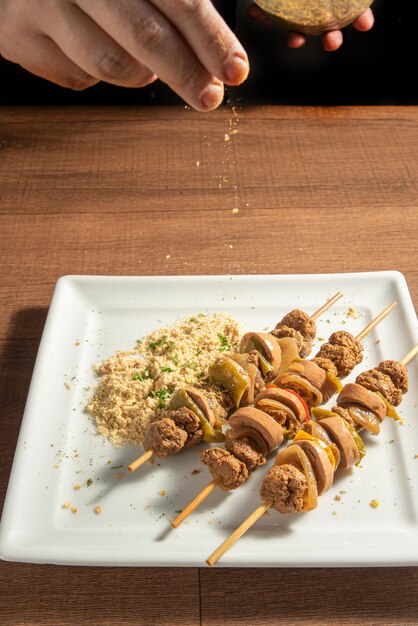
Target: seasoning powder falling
135, 387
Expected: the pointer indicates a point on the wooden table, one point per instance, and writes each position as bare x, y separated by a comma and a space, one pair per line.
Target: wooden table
156, 191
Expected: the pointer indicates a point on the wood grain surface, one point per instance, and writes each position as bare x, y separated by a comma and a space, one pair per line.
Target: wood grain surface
156, 191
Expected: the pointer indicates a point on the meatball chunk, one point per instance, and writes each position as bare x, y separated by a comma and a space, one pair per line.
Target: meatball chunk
228, 471
187, 420
345, 414
246, 450
164, 437
396, 372
286, 331
300, 321
285, 487
374, 380
343, 338
343, 359
326, 364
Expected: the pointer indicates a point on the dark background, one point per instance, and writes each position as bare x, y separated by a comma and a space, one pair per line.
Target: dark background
379, 67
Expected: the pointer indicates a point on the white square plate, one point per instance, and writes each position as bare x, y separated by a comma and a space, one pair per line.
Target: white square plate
90, 318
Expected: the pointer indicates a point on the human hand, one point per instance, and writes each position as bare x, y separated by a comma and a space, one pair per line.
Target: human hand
330, 41
78, 43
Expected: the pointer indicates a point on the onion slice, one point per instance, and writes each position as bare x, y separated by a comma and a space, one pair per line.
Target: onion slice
310, 394
364, 418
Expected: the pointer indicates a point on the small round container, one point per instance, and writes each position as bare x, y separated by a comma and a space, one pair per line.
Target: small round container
314, 17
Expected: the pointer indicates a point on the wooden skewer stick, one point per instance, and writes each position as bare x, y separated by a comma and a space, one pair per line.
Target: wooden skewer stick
142, 459
375, 322
246, 524
408, 357
206, 491
265, 506
211, 486
147, 455
327, 305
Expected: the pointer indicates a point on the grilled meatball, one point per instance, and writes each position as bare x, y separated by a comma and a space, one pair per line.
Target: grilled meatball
227, 470
342, 338
246, 450
187, 420
300, 321
286, 331
164, 437
343, 359
374, 380
396, 372
281, 417
284, 486
326, 364
344, 413
306, 348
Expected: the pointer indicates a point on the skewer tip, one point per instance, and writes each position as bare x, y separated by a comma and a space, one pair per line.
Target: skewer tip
140, 461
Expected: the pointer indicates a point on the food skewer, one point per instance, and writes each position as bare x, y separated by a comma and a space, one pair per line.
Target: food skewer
282, 330
398, 375
215, 462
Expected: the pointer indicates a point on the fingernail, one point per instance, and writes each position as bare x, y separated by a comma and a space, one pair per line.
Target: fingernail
212, 96
236, 69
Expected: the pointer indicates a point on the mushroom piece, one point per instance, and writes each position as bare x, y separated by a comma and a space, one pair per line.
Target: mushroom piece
338, 431
311, 371
283, 396
260, 422
321, 464
239, 432
280, 413
324, 381
268, 349
300, 385
353, 394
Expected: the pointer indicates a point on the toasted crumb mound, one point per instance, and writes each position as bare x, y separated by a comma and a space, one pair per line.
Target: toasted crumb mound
135, 386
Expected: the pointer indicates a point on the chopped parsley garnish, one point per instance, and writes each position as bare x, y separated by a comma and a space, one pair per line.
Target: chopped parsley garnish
224, 343
175, 359
192, 365
163, 396
198, 352
139, 341
134, 402
166, 369
192, 319
89, 482
170, 345
144, 376
157, 344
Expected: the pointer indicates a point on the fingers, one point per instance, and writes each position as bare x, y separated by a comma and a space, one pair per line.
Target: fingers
41, 56
258, 15
296, 40
152, 40
91, 49
213, 43
365, 21
332, 41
